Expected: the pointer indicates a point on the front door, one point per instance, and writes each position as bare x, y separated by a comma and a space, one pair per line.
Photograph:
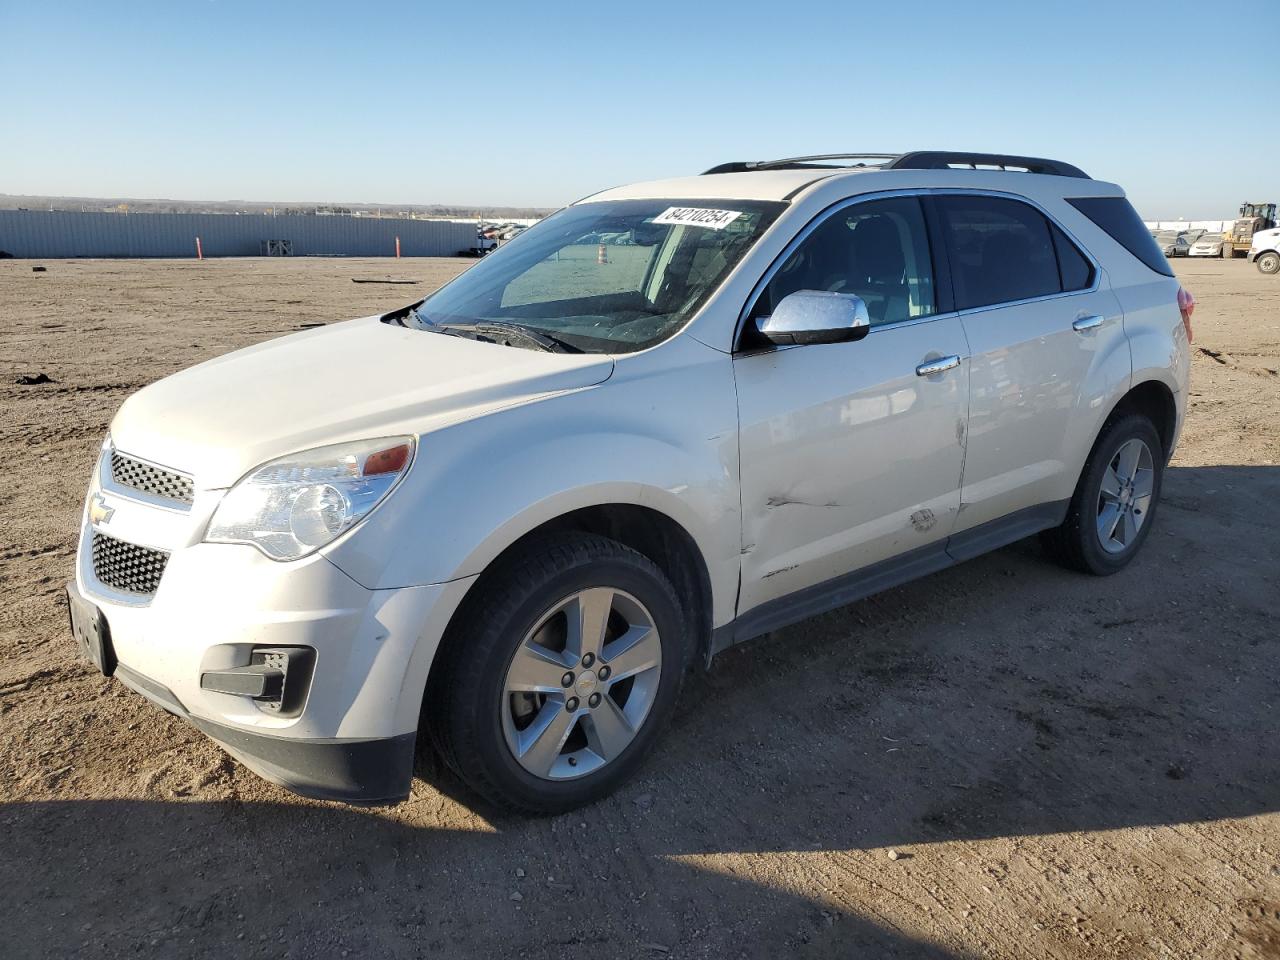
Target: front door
851, 452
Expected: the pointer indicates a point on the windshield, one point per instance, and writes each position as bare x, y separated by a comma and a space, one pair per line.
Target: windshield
611, 277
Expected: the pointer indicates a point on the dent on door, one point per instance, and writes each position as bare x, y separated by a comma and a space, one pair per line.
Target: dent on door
848, 456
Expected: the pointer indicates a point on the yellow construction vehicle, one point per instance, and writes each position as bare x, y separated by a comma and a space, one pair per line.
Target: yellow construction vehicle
1253, 217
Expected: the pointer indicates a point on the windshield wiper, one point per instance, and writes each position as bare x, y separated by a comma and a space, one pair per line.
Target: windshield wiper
486, 329
545, 340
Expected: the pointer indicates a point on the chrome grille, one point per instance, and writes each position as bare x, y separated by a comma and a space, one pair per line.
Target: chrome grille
127, 567
130, 472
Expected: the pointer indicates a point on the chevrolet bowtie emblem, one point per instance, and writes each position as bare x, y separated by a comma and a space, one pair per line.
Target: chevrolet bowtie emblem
99, 512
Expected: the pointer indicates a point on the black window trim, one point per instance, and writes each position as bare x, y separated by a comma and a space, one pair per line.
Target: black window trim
1039, 208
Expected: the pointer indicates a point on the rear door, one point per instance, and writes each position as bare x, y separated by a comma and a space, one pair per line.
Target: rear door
1041, 322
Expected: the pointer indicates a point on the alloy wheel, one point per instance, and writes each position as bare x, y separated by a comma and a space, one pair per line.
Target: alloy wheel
581, 683
1124, 500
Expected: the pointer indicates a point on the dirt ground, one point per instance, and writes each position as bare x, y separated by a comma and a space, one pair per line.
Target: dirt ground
1062, 766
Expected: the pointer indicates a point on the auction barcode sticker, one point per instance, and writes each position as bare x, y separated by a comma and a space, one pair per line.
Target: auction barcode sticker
698, 217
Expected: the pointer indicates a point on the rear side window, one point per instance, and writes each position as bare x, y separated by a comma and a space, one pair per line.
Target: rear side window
1117, 217
1000, 250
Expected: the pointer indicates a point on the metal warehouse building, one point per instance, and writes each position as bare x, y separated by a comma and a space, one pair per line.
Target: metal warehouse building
59, 234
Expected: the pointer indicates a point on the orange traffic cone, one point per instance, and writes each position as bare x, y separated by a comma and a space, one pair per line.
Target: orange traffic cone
602, 256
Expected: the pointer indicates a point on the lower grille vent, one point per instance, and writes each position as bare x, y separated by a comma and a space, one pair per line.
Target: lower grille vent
127, 567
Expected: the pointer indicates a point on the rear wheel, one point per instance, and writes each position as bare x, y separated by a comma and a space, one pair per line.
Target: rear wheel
559, 675
1269, 262
1115, 501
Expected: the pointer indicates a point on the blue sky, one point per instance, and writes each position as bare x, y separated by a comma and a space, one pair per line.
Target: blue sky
541, 103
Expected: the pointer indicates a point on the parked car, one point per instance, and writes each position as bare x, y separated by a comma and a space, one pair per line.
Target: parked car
1173, 243
509, 517
1265, 250
1208, 245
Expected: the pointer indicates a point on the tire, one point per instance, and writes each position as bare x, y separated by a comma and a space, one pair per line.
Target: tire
1079, 543
513, 631
1269, 262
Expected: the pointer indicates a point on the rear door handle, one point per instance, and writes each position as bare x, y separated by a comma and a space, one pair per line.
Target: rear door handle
1088, 323
941, 365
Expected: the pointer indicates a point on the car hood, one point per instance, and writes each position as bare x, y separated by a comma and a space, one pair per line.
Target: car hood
348, 381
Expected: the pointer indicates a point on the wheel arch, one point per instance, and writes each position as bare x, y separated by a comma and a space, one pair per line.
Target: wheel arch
647, 530
1155, 401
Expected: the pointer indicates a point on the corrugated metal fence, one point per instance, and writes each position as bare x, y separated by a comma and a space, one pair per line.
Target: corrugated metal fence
62, 234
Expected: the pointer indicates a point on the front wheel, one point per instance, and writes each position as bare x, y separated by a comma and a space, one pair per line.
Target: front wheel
559, 674
1115, 500
1269, 262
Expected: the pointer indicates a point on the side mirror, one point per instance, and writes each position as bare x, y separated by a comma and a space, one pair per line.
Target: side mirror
816, 316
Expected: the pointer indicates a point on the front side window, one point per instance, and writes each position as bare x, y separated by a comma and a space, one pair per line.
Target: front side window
878, 250
607, 277
1001, 250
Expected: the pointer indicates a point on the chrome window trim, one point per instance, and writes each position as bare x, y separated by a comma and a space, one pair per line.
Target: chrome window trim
822, 216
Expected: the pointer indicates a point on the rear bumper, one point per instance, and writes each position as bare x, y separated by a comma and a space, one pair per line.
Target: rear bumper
373, 771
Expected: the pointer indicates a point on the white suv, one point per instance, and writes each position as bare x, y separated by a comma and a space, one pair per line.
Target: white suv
667, 419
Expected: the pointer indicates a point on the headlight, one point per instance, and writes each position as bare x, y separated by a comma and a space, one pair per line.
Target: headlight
291, 507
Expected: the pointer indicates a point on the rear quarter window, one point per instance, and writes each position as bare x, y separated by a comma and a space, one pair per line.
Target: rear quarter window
1076, 270
1121, 222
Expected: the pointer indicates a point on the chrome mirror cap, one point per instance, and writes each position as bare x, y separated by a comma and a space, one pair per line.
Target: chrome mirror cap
816, 316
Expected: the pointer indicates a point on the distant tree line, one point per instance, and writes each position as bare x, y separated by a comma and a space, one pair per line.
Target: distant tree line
127, 206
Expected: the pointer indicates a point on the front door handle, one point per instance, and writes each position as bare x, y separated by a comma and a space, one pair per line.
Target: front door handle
1088, 323
941, 365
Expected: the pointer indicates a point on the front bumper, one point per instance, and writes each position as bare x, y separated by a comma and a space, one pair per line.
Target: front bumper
375, 771
353, 738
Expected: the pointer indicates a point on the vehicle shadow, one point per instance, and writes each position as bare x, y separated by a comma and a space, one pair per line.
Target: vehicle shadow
1005, 698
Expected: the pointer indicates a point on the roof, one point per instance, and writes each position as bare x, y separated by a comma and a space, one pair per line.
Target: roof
783, 179
761, 185
789, 184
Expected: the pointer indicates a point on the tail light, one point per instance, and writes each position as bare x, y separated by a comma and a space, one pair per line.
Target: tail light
1186, 306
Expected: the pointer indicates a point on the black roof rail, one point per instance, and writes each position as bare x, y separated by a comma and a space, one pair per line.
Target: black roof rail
917, 160
945, 160
815, 162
